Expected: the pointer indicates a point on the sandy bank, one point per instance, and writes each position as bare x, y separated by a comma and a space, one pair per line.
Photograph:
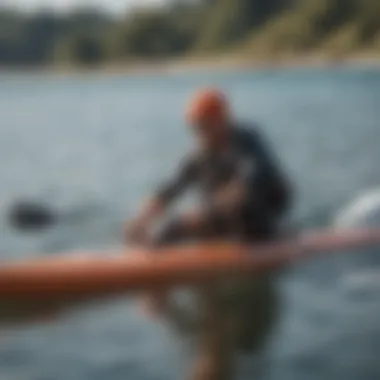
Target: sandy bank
204, 64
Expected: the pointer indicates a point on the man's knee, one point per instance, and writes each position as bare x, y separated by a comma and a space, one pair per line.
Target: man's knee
184, 227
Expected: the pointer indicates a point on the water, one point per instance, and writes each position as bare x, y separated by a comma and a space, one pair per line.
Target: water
93, 146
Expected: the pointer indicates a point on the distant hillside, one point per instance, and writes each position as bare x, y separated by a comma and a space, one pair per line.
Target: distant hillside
255, 28
335, 27
229, 22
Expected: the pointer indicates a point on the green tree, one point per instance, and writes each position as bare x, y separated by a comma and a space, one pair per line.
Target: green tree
231, 21
152, 34
81, 50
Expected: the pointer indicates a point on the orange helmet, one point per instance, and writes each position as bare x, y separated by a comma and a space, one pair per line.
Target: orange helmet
208, 105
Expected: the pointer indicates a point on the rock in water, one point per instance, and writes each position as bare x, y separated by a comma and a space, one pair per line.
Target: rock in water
31, 216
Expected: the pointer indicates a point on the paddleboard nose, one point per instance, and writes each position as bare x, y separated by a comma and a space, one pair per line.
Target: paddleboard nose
362, 212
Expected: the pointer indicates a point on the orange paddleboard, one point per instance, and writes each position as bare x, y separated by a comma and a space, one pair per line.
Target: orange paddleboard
87, 276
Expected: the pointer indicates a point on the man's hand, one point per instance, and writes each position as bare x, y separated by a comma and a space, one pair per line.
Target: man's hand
136, 232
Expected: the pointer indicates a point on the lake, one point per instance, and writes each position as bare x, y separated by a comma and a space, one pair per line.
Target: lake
94, 146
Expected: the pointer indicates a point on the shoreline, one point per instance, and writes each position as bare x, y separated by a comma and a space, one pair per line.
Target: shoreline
202, 64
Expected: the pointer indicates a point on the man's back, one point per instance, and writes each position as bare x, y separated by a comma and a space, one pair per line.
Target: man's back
246, 158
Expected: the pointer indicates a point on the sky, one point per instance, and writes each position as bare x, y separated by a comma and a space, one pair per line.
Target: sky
114, 6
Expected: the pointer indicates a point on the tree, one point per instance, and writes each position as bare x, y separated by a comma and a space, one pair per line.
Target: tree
231, 21
152, 34
81, 50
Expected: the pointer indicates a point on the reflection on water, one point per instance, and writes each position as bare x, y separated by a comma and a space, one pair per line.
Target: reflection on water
93, 147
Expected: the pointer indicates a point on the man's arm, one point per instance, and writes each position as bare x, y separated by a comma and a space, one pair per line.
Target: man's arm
171, 189
165, 195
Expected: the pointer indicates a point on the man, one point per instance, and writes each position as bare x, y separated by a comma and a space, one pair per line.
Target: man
244, 194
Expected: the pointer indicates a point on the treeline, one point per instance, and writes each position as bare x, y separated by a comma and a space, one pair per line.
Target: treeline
334, 27
252, 27
91, 37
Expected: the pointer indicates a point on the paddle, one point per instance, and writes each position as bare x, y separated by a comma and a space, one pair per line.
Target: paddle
28, 216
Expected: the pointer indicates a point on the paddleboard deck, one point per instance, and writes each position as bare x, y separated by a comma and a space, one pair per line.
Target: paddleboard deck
138, 269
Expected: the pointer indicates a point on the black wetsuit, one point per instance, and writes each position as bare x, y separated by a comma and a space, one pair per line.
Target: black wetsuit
247, 159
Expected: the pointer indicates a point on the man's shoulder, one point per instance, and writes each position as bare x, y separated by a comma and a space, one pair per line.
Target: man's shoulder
247, 132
